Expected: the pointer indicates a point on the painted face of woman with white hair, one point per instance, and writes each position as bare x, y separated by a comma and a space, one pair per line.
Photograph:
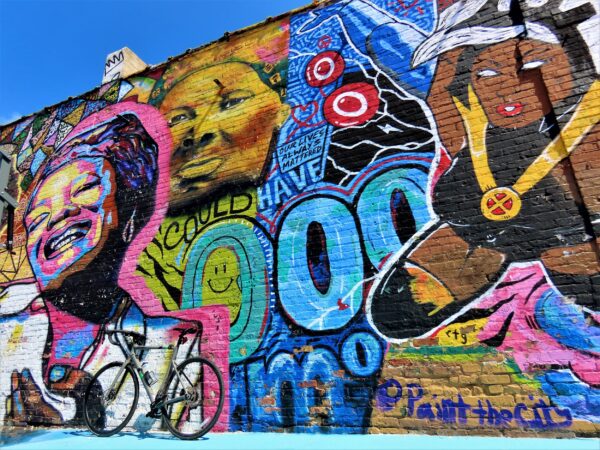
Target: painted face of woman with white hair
511, 89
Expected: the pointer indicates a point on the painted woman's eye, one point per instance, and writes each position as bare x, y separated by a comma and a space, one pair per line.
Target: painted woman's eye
87, 186
177, 119
533, 64
230, 102
32, 224
486, 73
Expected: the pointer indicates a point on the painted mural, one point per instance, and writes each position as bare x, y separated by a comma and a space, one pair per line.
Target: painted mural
383, 215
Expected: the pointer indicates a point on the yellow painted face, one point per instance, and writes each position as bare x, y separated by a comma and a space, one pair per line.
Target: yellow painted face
221, 135
220, 281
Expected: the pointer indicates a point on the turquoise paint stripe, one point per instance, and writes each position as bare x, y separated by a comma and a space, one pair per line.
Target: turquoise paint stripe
82, 440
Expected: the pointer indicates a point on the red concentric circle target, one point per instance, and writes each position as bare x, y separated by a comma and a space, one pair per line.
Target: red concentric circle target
324, 68
352, 104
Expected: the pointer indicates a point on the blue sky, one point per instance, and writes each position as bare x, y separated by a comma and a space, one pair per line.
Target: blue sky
54, 49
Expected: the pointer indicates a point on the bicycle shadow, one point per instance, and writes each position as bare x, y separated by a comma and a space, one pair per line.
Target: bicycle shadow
142, 430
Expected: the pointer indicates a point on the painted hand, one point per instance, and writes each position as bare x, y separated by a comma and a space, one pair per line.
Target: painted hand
72, 384
27, 405
410, 302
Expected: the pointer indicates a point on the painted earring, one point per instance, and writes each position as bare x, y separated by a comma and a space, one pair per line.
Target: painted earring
129, 229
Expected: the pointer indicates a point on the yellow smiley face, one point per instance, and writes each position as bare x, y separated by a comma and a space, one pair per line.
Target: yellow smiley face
220, 281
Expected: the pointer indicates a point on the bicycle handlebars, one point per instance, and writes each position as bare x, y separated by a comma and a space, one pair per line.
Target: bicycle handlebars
138, 338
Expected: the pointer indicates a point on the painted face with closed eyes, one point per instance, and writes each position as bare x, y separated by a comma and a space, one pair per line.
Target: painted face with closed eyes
68, 219
510, 89
221, 135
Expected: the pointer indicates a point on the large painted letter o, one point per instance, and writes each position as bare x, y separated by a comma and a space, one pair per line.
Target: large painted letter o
301, 295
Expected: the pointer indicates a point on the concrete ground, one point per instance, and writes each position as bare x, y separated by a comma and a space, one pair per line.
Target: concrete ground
84, 440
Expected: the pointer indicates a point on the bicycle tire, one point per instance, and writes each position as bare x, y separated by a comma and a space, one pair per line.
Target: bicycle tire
94, 408
210, 380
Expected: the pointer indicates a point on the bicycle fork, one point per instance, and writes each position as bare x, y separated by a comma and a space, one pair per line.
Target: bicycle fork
158, 403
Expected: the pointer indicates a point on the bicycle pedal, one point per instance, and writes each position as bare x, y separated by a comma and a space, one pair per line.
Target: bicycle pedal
154, 414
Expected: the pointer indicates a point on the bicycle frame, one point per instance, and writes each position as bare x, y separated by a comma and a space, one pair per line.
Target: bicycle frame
188, 400
131, 359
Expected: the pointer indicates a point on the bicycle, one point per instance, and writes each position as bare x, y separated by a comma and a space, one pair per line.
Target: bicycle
189, 400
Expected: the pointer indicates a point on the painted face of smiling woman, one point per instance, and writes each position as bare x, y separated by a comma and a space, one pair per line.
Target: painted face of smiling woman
86, 205
69, 217
221, 135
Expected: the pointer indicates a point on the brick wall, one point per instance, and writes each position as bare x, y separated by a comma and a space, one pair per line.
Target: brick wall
383, 216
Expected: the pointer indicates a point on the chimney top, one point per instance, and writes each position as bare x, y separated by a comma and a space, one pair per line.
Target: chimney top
121, 64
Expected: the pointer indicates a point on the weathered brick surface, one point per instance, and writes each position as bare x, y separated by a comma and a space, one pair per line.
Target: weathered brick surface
381, 216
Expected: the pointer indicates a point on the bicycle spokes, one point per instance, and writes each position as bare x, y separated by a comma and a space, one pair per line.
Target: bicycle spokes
110, 399
195, 393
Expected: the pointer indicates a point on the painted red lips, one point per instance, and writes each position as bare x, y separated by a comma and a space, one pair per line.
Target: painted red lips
510, 109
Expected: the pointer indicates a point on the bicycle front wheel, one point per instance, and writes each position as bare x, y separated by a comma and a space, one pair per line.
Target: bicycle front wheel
195, 398
110, 399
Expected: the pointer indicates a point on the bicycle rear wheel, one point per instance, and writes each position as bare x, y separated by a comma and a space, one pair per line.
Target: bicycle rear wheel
200, 387
110, 399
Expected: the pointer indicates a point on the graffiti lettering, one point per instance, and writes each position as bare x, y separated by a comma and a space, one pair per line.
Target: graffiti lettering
178, 233
379, 212
278, 190
302, 149
543, 415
